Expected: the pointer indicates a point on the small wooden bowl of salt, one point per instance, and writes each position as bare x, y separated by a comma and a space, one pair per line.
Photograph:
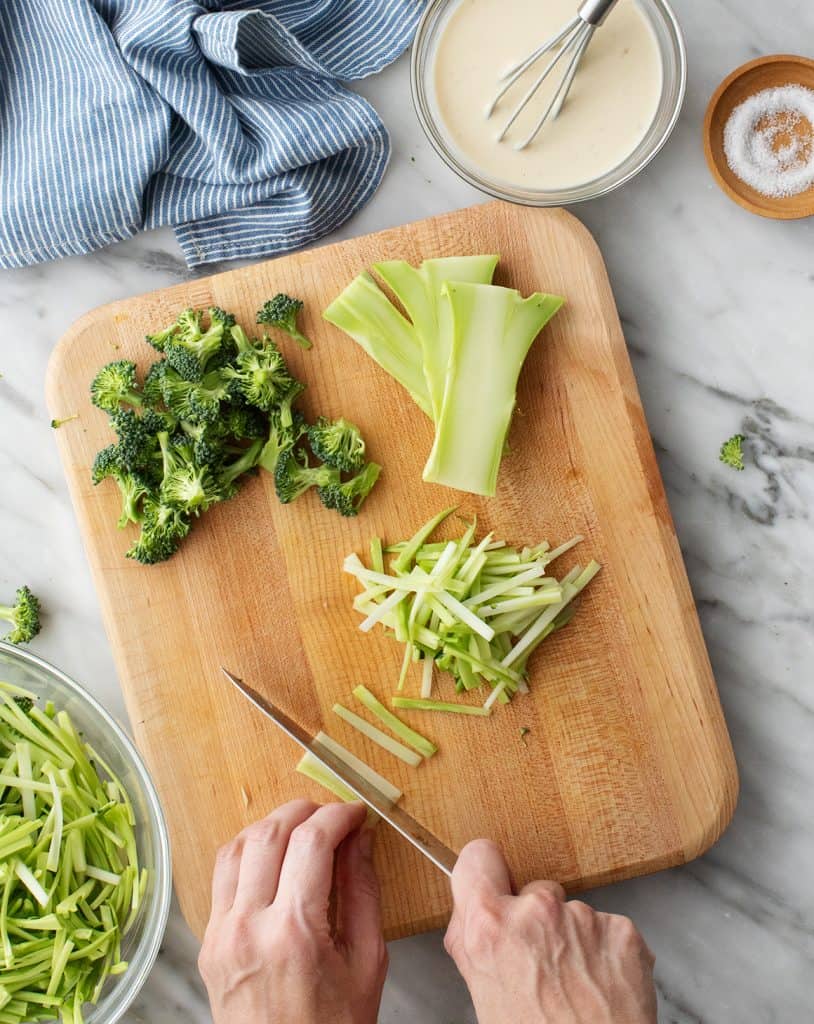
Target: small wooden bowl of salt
759, 136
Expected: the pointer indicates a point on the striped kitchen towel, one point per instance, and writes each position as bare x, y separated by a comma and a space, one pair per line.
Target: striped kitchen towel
226, 119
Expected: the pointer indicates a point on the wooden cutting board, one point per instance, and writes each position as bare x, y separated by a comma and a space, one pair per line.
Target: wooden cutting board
627, 766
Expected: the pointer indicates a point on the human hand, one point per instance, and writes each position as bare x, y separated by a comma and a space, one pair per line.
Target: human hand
537, 959
271, 954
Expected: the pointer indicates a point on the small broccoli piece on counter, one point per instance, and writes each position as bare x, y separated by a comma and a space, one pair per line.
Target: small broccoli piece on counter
293, 476
281, 312
259, 374
134, 486
162, 530
731, 453
23, 615
115, 385
347, 498
337, 442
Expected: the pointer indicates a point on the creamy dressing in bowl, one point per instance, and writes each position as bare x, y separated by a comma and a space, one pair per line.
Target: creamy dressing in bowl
612, 104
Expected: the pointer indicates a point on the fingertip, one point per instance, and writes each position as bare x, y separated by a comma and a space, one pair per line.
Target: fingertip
481, 867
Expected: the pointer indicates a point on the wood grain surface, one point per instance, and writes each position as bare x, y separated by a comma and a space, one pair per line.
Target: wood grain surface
627, 767
762, 73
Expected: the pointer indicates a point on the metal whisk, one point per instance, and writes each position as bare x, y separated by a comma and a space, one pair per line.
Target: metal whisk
572, 41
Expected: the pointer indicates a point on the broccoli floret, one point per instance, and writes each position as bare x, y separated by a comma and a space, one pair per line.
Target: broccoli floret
190, 349
138, 440
23, 615
731, 453
293, 476
286, 403
162, 530
190, 487
160, 338
338, 443
242, 464
152, 389
134, 486
280, 439
281, 312
207, 441
258, 374
347, 498
25, 704
114, 385
243, 422
196, 401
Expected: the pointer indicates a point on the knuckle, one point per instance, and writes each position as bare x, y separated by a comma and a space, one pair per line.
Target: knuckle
482, 933
581, 911
311, 835
263, 833
542, 902
228, 852
625, 930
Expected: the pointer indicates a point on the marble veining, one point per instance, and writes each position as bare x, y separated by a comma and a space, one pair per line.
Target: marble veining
717, 308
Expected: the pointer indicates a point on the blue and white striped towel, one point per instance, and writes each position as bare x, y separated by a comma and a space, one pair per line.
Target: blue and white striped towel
224, 118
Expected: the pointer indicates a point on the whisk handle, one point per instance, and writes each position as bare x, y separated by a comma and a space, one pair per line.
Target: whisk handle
594, 12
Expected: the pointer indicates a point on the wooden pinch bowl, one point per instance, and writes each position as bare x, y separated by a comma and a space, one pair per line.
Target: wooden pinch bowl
745, 81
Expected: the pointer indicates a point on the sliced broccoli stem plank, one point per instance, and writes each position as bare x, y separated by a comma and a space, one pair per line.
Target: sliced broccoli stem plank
493, 329
365, 313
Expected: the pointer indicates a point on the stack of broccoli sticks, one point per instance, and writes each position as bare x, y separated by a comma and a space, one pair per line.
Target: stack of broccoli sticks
216, 406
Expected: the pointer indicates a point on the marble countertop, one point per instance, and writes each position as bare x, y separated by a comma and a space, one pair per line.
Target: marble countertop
717, 308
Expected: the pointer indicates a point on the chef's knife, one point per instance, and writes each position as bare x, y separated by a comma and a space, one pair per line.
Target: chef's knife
432, 848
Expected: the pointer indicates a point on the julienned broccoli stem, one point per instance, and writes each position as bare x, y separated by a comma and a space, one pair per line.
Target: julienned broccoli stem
216, 407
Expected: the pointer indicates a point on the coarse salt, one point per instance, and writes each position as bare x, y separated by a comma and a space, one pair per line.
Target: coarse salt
769, 140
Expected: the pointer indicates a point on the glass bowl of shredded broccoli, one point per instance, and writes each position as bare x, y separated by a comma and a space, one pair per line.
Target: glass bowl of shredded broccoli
85, 871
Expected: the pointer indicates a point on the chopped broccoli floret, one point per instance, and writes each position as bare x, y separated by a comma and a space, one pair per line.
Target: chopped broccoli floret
280, 439
196, 401
23, 615
281, 312
731, 453
243, 422
160, 338
133, 485
162, 530
138, 441
56, 424
186, 485
293, 476
242, 464
190, 349
347, 498
337, 442
115, 385
259, 374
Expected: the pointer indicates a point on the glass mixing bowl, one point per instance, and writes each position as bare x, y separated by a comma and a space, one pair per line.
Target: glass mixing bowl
674, 78
141, 944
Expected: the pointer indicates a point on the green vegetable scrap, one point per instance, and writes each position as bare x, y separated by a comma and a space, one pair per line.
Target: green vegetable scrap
70, 882
475, 610
57, 423
24, 618
731, 453
459, 355
217, 406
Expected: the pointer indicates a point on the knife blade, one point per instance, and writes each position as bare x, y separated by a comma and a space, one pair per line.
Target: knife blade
422, 839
